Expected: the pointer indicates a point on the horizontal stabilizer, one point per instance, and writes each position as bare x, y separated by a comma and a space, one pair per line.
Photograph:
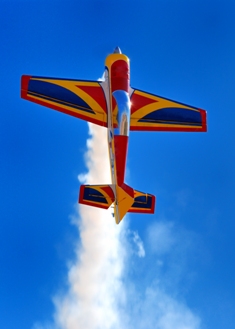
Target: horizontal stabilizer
100, 196
143, 203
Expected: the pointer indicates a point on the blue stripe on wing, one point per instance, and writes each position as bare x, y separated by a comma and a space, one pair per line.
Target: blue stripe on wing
171, 115
58, 94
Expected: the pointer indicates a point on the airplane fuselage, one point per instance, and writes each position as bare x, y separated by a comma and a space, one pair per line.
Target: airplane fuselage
116, 86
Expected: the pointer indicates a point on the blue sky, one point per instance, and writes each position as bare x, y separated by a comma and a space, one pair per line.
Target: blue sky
178, 262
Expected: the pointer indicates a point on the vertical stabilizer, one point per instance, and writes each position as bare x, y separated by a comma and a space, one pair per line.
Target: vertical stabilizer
124, 201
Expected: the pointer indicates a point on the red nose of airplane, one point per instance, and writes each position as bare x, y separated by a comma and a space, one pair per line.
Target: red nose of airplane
117, 50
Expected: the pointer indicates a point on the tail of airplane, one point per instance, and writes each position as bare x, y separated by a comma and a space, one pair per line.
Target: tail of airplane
124, 199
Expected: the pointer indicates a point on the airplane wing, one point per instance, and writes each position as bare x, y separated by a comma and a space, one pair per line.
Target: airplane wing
153, 113
81, 99
100, 196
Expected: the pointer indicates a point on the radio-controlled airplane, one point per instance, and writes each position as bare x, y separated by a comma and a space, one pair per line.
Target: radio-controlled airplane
115, 105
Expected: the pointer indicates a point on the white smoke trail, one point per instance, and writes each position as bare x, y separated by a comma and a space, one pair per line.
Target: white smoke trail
100, 294
95, 286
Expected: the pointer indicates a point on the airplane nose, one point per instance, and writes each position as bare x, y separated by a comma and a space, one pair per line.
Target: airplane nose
117, 50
